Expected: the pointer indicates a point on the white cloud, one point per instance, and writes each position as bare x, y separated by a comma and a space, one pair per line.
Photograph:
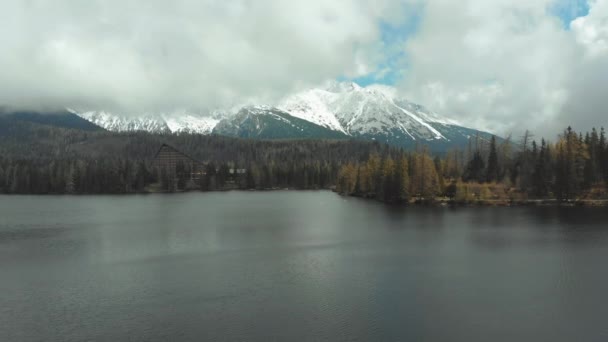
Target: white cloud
504, 65
592, 30
154, 54
587, 105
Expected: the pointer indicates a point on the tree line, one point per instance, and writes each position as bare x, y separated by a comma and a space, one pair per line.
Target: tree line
120, 176
41, 159
575, 166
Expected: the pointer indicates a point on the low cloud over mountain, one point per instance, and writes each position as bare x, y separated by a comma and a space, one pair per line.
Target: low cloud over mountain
501, 65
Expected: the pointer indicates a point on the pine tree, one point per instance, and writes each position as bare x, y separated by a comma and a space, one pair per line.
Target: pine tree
357, 189
493, 171
389, 191
603, 155
70, 187
251, 177
439, 170
452, 164
570, 169
592, 169
525, 162
2, 180
364, 180
505, 159
561, 173
542, 178
402, 179
424, 180
475, 170
571, 166
374, 174
347, 179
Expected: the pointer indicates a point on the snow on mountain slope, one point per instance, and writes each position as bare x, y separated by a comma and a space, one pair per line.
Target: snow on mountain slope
190, 123
313, 106
272, 123
357, 111
375, 112
118, 123
176, 122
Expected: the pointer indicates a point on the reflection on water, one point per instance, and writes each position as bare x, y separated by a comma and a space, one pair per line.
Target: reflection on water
297, 266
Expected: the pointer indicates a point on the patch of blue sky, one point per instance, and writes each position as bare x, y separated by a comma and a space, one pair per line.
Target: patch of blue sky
393, 37
568, 10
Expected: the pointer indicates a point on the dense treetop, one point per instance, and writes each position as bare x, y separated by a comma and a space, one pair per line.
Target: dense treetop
39, 158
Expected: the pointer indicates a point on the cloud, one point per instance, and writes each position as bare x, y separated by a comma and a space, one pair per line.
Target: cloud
500, 65
587, 102
155, 55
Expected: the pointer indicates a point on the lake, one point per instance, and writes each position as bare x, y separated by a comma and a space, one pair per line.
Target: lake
291, 266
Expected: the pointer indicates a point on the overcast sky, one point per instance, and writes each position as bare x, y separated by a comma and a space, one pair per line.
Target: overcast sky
497, 64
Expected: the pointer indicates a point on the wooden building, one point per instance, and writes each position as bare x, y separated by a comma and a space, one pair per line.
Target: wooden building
168, 158
178, 171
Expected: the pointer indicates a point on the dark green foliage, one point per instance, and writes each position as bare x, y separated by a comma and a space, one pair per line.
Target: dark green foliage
58, 119
603, 156
46, 159
570, 166
475, 169
542, 172
493, 171
43, 159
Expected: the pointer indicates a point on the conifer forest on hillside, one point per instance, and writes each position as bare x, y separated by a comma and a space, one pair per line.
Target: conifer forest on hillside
43, 159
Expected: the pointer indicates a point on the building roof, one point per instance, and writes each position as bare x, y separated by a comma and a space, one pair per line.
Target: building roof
176, 151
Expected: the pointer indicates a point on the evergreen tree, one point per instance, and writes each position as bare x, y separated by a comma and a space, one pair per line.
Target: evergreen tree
475, 170
389, 190
402, 179
542, 178
2, 180
250, 179
493, 171
70, 186
347, 178
373, 174
14, 185
602, 156
572, 158
438, 163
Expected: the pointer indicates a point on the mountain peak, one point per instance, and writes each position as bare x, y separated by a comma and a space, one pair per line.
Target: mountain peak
374, 112
342, 87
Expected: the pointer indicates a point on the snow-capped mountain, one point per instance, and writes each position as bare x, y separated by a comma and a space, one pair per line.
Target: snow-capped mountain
358, 111
186, 122
118, 123
176, 122
338, 109
266, 122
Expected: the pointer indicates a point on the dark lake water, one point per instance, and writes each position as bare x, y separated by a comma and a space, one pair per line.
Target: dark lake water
291, 266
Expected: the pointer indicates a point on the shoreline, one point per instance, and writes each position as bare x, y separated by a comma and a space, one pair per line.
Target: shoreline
444, 201
160, 192
527, 203
503, 203
438, 202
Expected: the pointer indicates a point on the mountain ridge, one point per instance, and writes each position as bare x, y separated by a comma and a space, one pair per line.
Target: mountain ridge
336, 110
63, 119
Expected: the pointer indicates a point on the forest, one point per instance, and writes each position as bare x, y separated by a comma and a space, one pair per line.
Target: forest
43, 159
36, 158
575, 167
